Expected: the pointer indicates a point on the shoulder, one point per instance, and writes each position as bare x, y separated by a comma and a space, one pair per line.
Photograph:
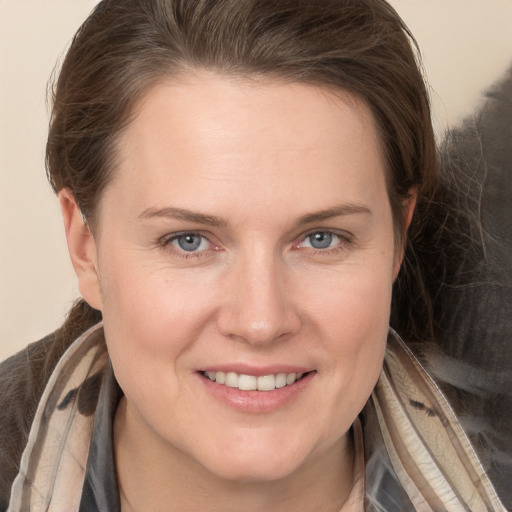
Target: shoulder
23, 377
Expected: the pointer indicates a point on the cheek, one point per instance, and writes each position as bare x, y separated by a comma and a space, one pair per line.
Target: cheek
348, 324
366, 308
353, 317
149, 330
138, 296
150, 319
354, 300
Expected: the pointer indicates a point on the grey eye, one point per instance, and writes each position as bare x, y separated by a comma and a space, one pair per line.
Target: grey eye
189, 241
320, 240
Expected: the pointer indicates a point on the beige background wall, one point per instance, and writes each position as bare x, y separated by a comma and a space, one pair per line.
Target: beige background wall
466, 45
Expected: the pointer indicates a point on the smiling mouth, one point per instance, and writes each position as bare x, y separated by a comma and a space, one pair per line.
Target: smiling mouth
251, 382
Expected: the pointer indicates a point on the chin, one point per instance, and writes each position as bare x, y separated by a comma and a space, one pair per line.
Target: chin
255, 462
256, 471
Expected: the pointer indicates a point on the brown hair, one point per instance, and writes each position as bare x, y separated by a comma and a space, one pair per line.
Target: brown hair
362, 46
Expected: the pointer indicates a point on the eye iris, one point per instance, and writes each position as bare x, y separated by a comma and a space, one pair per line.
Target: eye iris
189, 242
320, 240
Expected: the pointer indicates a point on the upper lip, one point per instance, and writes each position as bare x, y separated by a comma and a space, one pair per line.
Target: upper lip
257, 371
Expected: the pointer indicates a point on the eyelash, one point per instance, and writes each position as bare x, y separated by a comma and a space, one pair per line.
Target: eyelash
167, 241
344, 241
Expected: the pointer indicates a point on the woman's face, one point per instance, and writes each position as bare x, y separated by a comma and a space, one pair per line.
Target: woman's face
246, 234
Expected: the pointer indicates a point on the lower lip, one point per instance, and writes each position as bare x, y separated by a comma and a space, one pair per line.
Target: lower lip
257, 401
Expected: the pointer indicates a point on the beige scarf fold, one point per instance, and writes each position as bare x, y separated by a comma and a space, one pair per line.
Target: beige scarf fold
429, 451
53, 463
431, 454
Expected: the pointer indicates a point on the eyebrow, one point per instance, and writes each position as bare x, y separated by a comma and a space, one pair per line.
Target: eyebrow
336, 211
182, 214
219, 222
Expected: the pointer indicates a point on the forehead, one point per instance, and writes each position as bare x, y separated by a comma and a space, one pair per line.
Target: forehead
198, 105
231, 136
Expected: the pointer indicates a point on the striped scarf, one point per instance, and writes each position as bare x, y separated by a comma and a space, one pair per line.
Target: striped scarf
431, 456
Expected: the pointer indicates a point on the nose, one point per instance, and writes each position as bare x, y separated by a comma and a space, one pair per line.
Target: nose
258, 307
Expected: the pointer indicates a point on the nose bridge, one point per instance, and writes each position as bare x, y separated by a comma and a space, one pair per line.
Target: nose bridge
259, 308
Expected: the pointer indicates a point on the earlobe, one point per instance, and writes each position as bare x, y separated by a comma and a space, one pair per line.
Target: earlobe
82, 249
408, 206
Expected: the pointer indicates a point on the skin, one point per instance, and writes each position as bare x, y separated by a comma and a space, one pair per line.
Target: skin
263, 159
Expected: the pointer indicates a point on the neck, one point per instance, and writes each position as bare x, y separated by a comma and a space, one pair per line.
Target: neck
155, 476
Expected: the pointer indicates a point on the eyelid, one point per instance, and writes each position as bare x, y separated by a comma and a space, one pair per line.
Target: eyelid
344, 236
166, 243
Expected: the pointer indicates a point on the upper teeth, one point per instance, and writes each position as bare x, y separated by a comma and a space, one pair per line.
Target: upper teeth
251, 382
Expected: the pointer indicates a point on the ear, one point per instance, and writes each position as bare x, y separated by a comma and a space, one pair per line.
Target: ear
408, 205
82, 249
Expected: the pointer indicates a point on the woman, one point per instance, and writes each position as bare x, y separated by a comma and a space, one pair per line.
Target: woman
236, 180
